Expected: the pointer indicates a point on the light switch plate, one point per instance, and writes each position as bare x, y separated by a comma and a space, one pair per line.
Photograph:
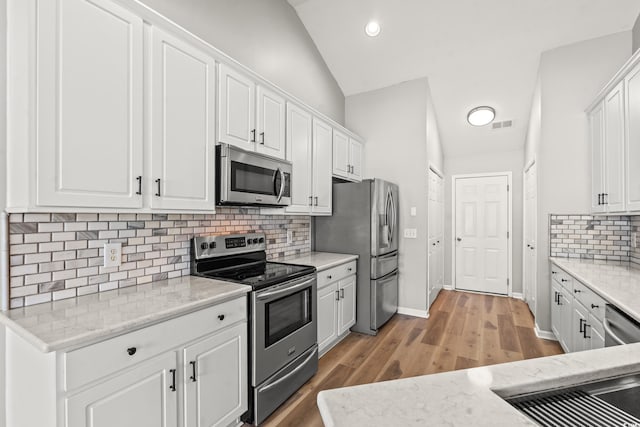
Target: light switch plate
289, 237
112, 254
414, 211
634, 239
410, 233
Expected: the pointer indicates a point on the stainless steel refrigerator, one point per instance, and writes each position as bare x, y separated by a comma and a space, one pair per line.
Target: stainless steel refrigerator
365, 222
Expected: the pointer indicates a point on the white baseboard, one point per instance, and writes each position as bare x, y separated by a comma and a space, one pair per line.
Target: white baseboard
448, 287
413, 312
546, 335
518, 295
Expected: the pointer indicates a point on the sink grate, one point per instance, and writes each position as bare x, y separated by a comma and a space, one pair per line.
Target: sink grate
572, 408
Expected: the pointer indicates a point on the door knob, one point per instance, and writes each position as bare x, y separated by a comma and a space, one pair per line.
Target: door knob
459, 239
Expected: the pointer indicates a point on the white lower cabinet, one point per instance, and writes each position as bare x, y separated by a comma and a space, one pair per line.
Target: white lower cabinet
215, 370
191, 371
336, 304
577, 313
139, 398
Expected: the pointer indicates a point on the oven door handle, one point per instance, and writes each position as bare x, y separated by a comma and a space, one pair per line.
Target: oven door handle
292, 373
286, 290
609, 332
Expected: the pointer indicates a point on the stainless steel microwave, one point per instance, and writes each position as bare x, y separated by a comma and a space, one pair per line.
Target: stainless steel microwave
245, 178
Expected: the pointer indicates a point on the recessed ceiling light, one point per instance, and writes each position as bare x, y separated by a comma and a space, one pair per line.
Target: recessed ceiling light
372, 29
481, 116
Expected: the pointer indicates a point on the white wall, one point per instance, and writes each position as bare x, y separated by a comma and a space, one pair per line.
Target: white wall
3, 168
435, 152
393, 122
570, 77
534, 129
266, 36
509, 161
636, 35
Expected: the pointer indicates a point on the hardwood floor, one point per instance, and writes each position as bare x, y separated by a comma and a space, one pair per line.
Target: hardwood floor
465, 330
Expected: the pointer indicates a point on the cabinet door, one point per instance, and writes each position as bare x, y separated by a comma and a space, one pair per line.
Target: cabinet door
89, 109
597, 338
632, 121
215, 375
578, 324
341, 154
236, 109
566, 315
347, 314
355, 154
327, 315
142, 397
614, 149
596, 136
299, 130
271, 123
322, 167
555, 311
183, 138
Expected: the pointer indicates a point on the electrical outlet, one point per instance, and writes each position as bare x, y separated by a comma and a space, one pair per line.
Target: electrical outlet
112, 254
289, 237
410, 233
634, 239
414, 211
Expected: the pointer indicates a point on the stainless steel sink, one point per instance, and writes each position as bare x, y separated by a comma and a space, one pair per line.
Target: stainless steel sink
611, 402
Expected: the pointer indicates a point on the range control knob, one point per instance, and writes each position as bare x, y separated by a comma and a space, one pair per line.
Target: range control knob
261, 240
212, 245
255, 241
204, 246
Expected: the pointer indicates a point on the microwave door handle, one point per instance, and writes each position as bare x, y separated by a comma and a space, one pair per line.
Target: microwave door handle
283, 180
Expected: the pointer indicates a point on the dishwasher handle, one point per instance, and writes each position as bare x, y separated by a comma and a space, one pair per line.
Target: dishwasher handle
609, 333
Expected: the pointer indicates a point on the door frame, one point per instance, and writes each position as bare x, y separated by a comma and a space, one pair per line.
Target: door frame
454, 179
527, 168
434, 169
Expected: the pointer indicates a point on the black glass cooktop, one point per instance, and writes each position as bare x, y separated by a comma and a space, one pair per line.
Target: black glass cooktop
260, 275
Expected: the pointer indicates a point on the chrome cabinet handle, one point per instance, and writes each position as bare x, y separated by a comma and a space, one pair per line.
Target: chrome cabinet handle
584, 332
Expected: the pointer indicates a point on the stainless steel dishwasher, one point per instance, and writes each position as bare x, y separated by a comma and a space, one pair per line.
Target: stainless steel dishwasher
619, 328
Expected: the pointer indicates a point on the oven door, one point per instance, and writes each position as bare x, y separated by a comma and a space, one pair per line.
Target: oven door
246, 178
284, 325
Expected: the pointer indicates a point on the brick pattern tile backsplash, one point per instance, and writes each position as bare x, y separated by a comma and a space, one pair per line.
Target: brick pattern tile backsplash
634, 253
60, 255
605, 238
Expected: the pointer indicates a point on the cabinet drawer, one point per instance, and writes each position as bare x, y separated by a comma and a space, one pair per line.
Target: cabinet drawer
562, 278
107, 357
596, 325
336, 273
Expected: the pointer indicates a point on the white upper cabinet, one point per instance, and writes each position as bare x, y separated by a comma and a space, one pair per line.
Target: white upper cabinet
183, 125
632, 153
355, 154
90, 104
271, 123
299, 130
236, 109
614, 149
347, 157
309, 147
341, 154
322, 159
250, 116
596, 136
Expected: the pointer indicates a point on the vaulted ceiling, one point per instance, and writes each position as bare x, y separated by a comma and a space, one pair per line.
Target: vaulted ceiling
473, 52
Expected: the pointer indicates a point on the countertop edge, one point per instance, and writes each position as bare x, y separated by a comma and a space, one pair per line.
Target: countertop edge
300, 259
93, 337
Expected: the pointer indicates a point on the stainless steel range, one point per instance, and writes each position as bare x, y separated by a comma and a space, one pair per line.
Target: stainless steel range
283, 350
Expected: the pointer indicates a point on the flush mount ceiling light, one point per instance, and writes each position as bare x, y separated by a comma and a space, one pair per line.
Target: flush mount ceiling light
372, 29
481, 116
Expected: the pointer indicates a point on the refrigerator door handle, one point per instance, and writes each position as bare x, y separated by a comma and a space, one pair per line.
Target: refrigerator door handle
393, 217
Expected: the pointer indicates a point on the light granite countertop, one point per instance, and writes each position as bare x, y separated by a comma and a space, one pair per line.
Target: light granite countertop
471, 397
76, 322
319, 260
618, 283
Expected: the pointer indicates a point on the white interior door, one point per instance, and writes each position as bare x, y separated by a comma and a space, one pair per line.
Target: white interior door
481, 234
530, 231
